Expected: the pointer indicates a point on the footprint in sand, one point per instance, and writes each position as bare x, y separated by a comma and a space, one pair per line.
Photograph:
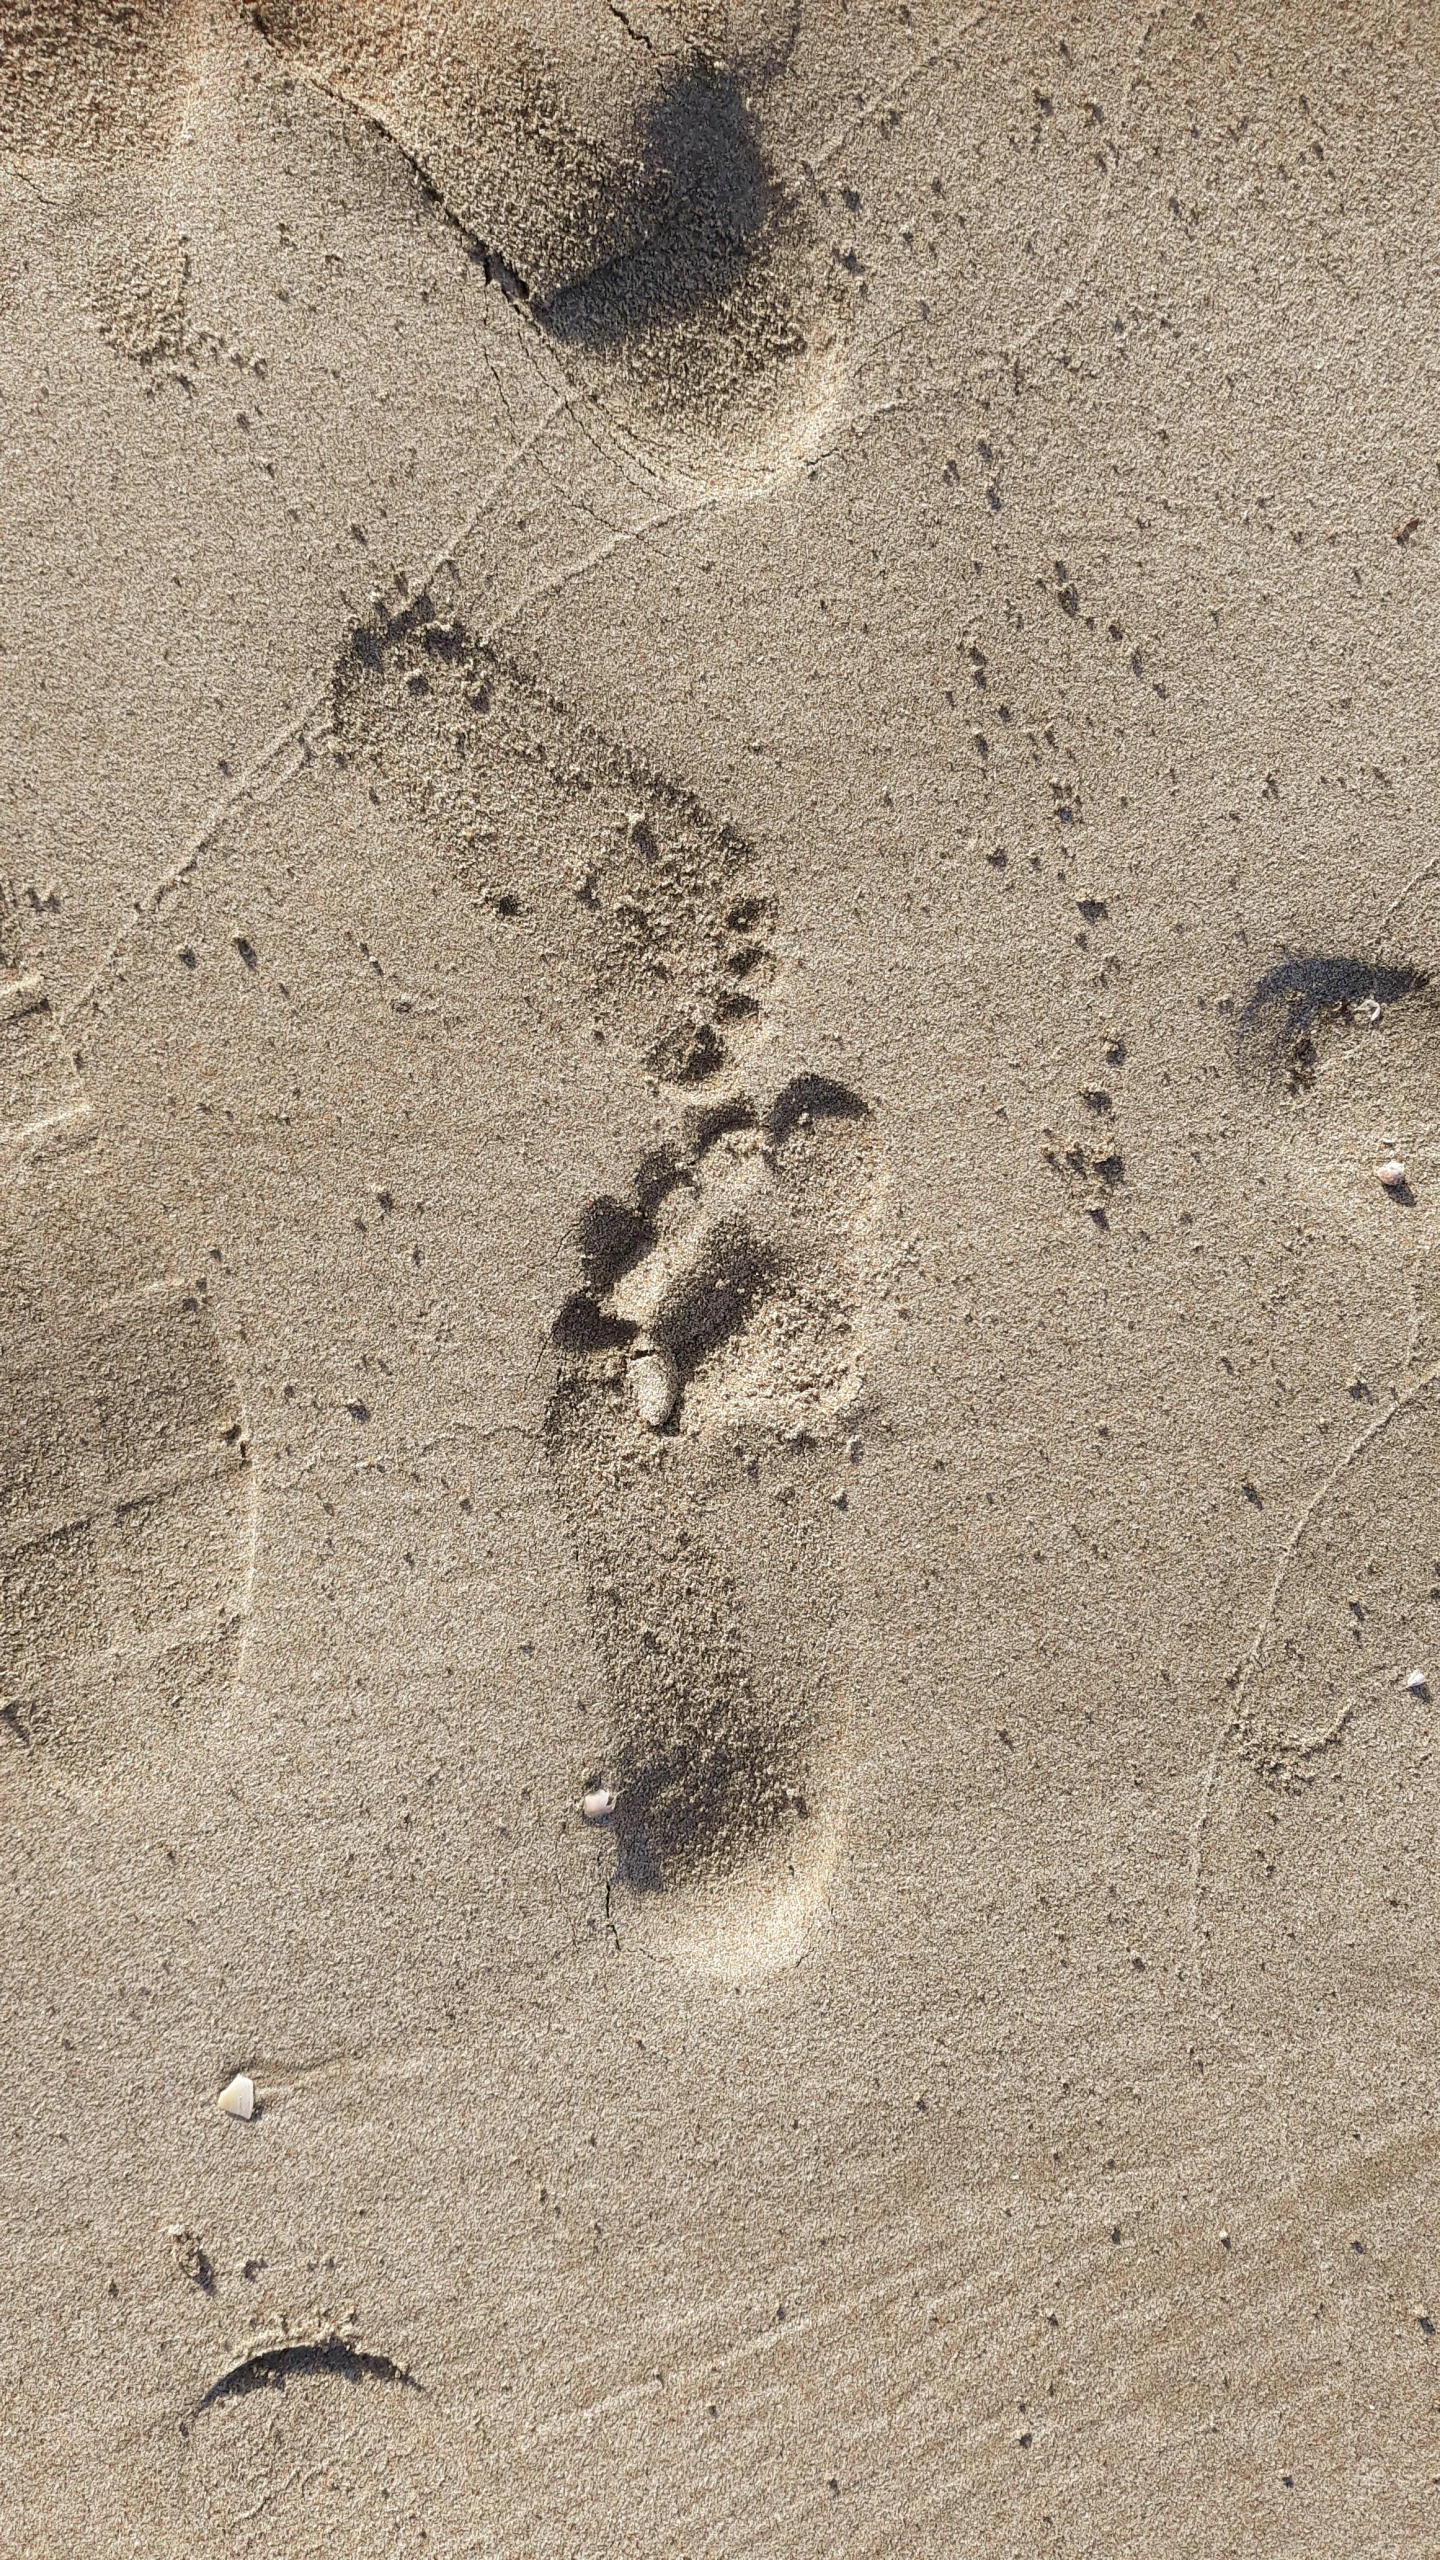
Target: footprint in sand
711, 1372
126, 1503
40, 1091
609, 167
729, 1289
124, 1519
655, 911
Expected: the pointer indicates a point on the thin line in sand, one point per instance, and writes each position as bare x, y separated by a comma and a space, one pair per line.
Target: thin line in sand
296, 734
1232, 1718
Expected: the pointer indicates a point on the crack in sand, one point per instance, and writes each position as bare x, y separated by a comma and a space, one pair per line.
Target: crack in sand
1232, 1722
938, 54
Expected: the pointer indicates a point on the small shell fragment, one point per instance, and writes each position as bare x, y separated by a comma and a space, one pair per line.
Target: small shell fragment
1418, 1685
238, 2099
655, 1386
597, 1806
1391, 1173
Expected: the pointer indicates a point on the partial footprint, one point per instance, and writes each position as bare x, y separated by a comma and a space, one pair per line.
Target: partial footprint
1357, 1607
711, 1374
655, 911
126, 1502
309, 2443
1315, 1904
125, 1518
607, 163
40, 1091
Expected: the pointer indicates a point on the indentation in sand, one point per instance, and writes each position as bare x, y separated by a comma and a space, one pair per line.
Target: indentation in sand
41, 1094
609, 169
655, 910
709, 1546
125, 1518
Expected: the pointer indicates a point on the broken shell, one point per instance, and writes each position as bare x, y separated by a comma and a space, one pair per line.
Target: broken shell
1392, 1174
1418, 1685
598, 1805
239, 2098
655, 1386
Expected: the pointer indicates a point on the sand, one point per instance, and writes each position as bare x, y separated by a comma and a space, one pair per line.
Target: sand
719, 1516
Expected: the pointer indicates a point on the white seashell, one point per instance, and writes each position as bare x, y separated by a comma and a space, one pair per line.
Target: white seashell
1392, 1174
1418, 1685
655, 1386
239, 2098
598, 1805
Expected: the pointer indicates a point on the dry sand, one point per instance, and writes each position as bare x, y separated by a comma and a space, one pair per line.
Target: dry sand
720, 856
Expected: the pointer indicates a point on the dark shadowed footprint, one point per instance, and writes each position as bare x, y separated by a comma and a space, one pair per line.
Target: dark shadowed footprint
711, 1374
607, 164
653, 913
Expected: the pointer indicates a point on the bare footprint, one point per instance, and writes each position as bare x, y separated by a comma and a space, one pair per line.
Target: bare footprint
1356, 1605
655, 912
607, 165
711, 1375
40, 1092
124, 1519
310, 2441
126, 1500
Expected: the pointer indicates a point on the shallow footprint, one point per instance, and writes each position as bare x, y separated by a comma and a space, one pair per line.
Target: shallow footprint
652, 911
711, 1375
1315, 1903
125, 1519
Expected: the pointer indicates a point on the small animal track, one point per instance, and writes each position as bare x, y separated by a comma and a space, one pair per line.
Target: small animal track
125, 1519
705, 1516
656, 910
607, 167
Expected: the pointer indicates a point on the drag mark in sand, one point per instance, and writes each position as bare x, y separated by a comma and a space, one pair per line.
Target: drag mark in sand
1237, 1721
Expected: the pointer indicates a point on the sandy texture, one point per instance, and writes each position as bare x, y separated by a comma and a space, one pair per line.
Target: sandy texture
719, 1536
